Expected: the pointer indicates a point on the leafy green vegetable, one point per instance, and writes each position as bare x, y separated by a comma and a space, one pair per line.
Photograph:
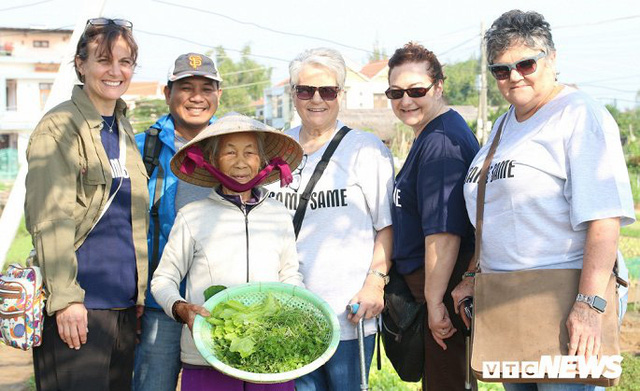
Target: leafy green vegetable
212, 290
267, 337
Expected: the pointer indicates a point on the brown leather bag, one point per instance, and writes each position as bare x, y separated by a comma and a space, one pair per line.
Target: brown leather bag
520, 316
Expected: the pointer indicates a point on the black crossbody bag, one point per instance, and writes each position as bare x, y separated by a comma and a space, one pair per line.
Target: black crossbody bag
317, 173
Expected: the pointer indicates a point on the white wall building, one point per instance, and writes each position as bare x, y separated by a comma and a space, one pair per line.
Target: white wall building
29, 62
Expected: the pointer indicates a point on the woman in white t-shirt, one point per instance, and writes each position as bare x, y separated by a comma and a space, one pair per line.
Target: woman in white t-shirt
558, 189
344, 243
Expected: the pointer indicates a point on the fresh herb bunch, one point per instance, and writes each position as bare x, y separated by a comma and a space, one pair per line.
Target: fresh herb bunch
266, 337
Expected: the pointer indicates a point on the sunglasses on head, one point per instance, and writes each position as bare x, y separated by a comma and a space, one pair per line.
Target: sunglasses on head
307, 92
524, 67
415, 92
106, 21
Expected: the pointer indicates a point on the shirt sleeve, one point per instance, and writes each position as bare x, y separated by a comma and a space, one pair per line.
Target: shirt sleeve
375, 173
597, 185
174, 265
49, 211
440, 180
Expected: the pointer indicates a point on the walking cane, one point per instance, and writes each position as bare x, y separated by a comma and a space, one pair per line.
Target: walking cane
364, 385
467, 304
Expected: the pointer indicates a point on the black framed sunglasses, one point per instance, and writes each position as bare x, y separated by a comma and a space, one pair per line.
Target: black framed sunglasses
524, 67
415, 92
106, 21
307, 92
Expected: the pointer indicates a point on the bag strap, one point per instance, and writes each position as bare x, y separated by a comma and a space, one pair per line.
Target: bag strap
317, 173
482, 186
155, 216
151, 150
122, 145
151, 160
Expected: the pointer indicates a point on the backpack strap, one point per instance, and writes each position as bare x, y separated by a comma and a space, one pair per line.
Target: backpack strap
317, 173
151, 159
151, 150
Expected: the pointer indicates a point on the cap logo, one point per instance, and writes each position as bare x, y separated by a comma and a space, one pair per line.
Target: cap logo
195, 61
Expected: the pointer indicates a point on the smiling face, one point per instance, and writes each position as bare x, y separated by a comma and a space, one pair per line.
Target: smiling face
238, 157
317, 114
192, 102
106, 75
530, 92
415, 112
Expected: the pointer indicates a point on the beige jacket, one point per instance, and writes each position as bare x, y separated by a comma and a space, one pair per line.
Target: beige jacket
68, 185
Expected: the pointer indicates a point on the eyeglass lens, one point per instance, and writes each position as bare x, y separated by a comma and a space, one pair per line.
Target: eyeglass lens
415, 92
106, 21
524, 67
326, 92
297, 174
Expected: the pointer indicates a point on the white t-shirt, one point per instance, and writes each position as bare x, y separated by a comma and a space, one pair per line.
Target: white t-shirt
551, 175
349, 204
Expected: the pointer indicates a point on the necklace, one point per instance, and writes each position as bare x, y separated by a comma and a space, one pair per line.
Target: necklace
112, 123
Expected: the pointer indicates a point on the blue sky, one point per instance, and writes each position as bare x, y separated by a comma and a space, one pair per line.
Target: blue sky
597, 42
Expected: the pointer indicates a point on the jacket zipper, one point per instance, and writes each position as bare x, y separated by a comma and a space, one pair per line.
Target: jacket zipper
246, 229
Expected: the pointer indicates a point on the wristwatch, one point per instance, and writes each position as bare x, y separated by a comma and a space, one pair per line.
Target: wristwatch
385, 277
596, 302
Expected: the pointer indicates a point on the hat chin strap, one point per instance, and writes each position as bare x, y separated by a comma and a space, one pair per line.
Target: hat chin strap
194, 158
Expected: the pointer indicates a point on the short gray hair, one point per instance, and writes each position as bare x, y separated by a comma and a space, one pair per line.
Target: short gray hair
517, 27
211, 148
324, 57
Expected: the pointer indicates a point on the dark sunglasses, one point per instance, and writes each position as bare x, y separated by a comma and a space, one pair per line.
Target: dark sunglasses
524, 67
415, 92
307, 92
106, 21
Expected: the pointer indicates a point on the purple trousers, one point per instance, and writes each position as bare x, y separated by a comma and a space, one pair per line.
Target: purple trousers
195, 378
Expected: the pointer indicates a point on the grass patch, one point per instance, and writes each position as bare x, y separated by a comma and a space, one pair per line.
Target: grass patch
630, 380
20, 247
632, 230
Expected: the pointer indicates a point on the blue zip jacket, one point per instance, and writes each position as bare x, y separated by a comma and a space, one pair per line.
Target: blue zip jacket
167, 207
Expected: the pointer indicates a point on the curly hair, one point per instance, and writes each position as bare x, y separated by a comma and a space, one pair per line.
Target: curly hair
517, 27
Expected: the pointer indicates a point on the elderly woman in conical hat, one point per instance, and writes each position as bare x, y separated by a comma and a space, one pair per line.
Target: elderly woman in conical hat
237, 235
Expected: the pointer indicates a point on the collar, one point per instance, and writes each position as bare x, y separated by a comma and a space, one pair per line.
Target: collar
80, 98
166, 126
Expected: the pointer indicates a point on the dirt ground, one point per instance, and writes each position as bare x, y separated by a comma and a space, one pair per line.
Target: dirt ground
16, 366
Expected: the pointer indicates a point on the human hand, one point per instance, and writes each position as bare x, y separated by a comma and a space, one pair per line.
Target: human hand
187, 312
440, 324
370, 299
585, 329
72, 325
463, 290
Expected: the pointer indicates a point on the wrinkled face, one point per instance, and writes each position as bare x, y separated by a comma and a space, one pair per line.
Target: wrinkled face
527, 92
315, 113
238, 156
414, 112
192, 102
106, 78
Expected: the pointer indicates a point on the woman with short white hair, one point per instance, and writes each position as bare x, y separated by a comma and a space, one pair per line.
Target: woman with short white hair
344, 242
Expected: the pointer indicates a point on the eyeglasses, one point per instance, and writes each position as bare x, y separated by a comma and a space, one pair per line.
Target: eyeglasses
106, 21
524, 67
415, 92
307, 92
297, 174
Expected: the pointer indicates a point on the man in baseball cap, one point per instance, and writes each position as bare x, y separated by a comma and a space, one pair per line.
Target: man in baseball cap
192, 94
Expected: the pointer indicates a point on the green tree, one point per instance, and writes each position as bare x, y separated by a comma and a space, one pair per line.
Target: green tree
243, 81
460, 86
